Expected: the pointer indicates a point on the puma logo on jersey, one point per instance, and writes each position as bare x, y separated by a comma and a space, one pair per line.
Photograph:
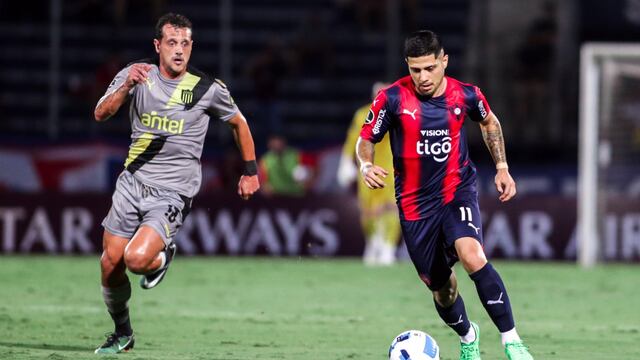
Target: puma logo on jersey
494, 302
410, 113
477, 229
457, 322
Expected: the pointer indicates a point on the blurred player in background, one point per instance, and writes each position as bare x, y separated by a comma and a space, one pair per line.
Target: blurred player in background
378, 212
436, 185
281, 169
170, 107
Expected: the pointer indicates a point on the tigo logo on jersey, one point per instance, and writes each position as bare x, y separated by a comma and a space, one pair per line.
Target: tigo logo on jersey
439, 150
162, 123
376, 127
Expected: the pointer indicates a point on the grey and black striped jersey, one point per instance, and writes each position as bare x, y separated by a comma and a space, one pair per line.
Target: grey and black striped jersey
169, 121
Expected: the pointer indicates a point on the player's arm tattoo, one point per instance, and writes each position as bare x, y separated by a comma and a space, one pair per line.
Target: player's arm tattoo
110, 105
493, 138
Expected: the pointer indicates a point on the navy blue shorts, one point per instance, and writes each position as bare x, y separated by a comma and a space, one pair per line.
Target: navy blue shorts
430, 241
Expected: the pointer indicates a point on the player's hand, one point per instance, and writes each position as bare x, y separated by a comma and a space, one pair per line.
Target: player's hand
247, 186
505, 185
138, 74
373, 175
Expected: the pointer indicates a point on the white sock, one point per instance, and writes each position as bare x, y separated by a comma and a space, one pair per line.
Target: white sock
469, 337
510, 336
163, 259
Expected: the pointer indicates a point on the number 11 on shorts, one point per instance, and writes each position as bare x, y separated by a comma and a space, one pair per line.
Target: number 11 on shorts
465, 213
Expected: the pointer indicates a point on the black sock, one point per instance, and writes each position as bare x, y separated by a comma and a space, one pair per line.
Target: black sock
122, 322
117, 300
493, 295
455, 316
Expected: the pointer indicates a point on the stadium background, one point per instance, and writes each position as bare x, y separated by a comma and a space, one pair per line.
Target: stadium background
299, 69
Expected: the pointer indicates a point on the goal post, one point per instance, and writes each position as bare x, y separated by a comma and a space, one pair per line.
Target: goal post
609, 76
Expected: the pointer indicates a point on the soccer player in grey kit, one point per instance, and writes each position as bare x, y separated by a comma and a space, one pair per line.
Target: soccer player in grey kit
171, 103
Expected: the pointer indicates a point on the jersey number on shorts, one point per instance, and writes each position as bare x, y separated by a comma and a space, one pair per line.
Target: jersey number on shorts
171, 213
465, 213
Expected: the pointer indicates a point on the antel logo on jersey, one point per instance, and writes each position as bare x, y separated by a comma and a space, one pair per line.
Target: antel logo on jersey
483, 111
439, 150
376, 127
162, 123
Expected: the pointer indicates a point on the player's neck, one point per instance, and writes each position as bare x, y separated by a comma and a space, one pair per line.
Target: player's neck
441, 89
170, 75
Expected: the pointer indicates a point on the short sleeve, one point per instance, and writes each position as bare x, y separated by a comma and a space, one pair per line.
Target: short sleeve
118, 80
479, 108
222, 104
378, 119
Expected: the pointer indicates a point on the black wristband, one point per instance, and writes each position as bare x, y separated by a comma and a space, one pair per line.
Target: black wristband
250, 168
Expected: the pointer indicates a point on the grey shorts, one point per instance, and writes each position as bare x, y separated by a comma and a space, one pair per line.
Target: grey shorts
135, 204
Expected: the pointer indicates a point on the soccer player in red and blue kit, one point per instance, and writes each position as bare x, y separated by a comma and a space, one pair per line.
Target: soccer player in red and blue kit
435, 185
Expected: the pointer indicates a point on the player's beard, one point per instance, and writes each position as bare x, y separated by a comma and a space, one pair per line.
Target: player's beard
430, 91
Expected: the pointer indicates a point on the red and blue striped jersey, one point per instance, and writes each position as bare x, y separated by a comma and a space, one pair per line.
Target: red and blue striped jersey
428, 141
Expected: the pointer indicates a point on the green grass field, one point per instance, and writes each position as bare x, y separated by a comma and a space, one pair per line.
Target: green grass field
248, 308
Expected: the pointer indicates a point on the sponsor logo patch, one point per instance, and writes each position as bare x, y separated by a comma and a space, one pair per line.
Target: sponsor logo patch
438, 149
369, 118
376, 127
483, 111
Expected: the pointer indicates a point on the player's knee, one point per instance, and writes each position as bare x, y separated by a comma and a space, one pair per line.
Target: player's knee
473, 261
471, 254
136, 262
110, 260
113, 271
445, 296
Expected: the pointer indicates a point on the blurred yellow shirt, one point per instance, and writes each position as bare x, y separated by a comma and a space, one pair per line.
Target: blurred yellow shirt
382, 157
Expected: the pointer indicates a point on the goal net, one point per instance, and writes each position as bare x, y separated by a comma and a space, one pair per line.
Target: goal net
609, 145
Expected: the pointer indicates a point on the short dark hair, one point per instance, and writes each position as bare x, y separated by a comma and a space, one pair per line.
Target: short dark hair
176, 20
421, 43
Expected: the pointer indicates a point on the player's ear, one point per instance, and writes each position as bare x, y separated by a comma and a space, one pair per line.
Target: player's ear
445, 60
156, 44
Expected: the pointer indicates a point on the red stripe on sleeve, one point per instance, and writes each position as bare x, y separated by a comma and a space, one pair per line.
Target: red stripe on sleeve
379, 102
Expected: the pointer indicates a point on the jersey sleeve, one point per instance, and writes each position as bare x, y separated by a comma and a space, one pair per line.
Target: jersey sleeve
479, 108
222, 104
118, 80
378, 119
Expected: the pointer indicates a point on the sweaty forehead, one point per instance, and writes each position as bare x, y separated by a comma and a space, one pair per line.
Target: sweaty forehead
172, 31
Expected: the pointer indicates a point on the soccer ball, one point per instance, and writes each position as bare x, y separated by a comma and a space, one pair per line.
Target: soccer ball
414, 345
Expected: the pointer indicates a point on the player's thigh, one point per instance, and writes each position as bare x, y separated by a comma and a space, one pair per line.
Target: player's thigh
143, 248
461, 218
424, 241
124, 216
164, 211
462, 226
